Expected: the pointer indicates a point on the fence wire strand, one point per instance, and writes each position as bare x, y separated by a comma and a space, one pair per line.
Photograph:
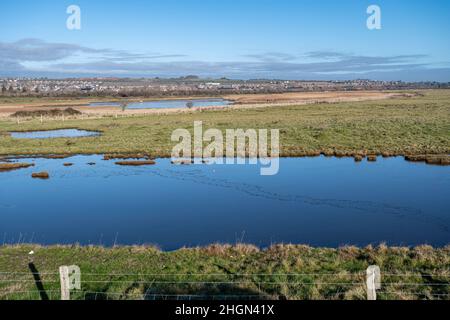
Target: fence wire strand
152, 286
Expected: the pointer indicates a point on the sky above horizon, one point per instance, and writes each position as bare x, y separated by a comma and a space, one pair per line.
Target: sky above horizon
283, 39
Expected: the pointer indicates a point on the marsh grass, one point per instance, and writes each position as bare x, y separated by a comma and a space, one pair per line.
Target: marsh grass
399, 126
41, 175
14, 166
239, 271
429, 159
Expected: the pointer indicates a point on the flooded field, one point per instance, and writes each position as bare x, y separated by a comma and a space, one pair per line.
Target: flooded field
318, 201
167, 104
63, 133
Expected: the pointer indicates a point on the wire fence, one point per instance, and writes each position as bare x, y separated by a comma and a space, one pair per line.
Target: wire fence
226, 286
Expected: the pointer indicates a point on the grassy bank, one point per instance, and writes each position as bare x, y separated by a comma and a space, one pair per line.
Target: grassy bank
241, 271
404, 125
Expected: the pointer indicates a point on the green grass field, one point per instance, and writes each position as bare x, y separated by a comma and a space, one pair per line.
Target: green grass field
6, 100
413, 125
282, 271
416, 125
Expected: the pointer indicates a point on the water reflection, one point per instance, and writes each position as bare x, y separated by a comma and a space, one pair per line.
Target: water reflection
63, 133
163, 104
317, 201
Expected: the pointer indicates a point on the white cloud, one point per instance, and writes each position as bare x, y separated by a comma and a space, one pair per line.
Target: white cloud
37, 57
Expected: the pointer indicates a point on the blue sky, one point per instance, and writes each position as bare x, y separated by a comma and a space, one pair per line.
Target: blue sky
321, 39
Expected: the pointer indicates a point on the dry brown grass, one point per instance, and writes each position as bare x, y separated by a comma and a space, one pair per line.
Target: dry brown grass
112, 156
302, 97
40, 175
34, 108
14, 166
434, 159
136, 163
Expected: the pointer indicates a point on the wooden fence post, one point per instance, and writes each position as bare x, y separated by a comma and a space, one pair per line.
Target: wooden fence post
64, 278
70, 277
373, 282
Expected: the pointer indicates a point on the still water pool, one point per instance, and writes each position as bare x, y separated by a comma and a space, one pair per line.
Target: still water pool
167, 104
316, 201
63, 133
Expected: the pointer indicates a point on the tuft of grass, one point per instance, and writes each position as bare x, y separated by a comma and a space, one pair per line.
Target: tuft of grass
40, 175
14, 166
